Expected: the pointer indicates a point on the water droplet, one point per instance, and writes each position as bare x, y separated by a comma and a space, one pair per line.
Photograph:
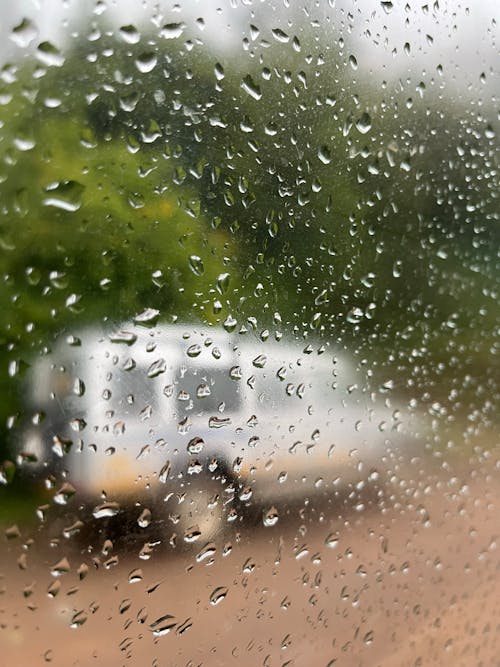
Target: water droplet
124, 605
128, 103
235, 373
195, 445
147, 317
49, 55
53, 589
73, 529
82, 571
78, 619
194, 350
163, 625
260, 361
301, 552
24, 33
324, 155
369, 637
126, 337
164, 472
251, 88
144, 519
397, 268
196, 265
157, 368
64, 494
222, 282
146, 62
332, 541
280, 36
78, 387
219, 72
489, 132
218, 595
60, 568
194, 467
172, 30
65, 195
130, 34
12, 532
208, 551
248, 566
230, 324
135, 576
353, 62
136, 200
364, 123
354, 316
24, 143
106, 510
219, 422
192, 534
271, 517
387, 6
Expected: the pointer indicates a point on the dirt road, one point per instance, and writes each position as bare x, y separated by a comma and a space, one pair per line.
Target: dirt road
416, 584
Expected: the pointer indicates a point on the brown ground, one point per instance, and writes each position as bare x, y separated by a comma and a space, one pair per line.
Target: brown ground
418, 584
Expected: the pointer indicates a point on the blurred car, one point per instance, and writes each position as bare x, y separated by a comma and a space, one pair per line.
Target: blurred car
196, 428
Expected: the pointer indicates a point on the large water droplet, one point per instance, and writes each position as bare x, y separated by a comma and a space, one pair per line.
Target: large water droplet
324, 155
172, 30
49, 55
271, 517
208, 551
260, 361
163, 625
65, 195
222, 282
126, 337
157, 368
192, 534
280, 36
196, 265
194, 350
331, 541
60, 568
164, 472
135, 576
146, 62
78, 619
217, 595
130, 34
230, 324
364, 123
148, 317
24, 33
251, 88
195, 445
106, 510
144, 519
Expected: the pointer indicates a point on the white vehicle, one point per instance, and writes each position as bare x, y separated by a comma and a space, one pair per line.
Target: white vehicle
198, 426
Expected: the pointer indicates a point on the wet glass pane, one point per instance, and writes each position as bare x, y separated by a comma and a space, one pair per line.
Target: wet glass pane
249, 336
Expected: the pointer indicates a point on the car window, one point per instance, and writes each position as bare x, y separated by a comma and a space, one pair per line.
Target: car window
249, 336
